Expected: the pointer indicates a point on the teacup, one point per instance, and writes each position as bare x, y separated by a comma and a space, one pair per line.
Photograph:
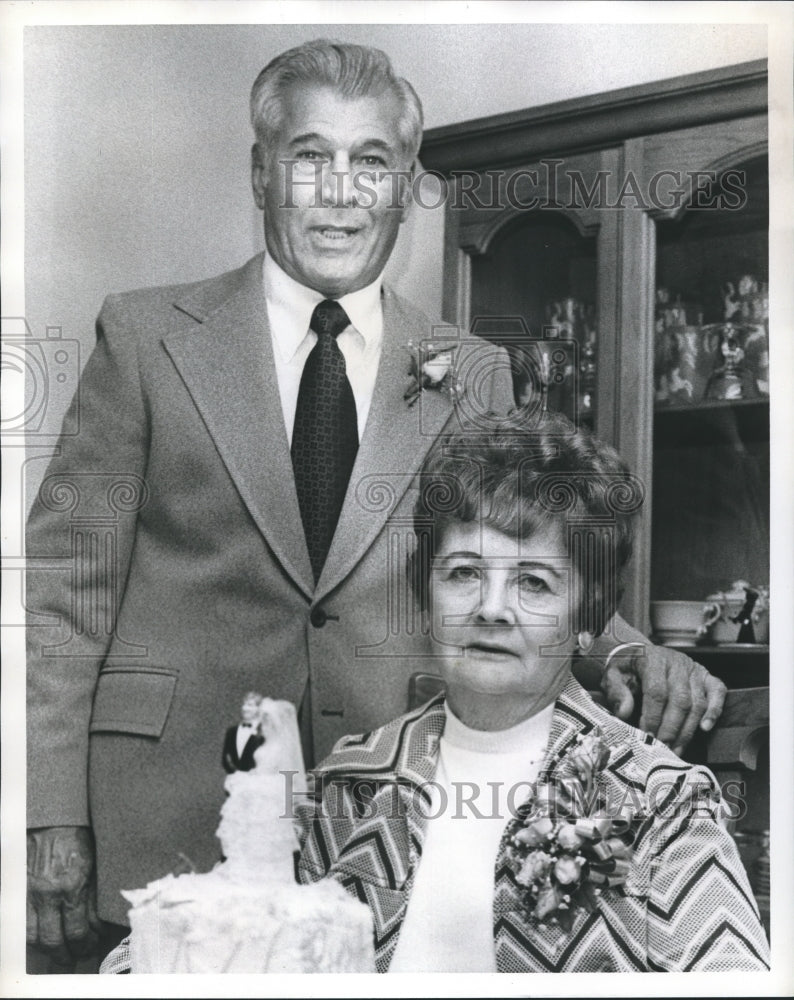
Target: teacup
676, 622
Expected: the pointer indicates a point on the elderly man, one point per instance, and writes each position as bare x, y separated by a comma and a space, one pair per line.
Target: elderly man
235, 508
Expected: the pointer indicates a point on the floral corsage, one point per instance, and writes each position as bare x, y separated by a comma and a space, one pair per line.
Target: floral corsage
568, 843
431, 366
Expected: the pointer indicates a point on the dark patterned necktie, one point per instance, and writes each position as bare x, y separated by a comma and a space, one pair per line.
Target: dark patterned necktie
325, 433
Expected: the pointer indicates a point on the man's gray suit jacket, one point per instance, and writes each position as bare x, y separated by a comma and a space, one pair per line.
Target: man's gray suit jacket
169, 573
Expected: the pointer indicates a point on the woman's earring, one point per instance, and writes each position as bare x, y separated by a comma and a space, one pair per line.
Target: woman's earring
585, 641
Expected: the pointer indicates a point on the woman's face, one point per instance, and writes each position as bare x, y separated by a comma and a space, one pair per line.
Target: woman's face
502, 611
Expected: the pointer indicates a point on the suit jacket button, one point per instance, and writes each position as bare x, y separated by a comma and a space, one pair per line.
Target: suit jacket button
318, 617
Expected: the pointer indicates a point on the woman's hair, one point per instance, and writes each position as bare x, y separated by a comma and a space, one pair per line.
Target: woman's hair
524, 474
351, 70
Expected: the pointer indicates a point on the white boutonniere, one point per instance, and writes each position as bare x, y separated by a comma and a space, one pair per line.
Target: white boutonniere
431, 366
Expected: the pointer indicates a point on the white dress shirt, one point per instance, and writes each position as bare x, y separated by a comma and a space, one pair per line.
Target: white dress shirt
289, 310
244, 734
481, 779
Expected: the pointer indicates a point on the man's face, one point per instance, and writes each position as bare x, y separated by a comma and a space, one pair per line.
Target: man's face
249, 710
330, 221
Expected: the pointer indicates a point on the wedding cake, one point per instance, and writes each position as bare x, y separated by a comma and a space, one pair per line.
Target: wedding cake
248, 914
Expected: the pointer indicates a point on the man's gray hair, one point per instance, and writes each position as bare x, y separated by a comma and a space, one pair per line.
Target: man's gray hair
351, 70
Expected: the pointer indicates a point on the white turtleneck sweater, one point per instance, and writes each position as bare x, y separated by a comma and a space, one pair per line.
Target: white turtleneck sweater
481, 779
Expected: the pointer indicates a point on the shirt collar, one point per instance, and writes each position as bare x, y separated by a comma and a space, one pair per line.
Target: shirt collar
290, 306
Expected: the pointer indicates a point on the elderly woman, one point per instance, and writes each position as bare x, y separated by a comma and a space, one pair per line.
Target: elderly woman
511, 824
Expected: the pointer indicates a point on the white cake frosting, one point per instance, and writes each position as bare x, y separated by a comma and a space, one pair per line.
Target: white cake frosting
248, 914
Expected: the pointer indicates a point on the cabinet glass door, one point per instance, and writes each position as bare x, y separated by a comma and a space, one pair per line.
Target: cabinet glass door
711, 414
534, 291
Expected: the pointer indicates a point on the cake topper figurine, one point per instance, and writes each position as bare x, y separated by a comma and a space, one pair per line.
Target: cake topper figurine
745, 617
248, 914
244, 738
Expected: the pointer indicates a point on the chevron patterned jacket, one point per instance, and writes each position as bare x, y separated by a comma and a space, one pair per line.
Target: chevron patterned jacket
686, 904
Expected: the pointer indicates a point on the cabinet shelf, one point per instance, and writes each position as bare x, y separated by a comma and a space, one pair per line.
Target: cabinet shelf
712, 423
723, 649
736, 664
711, 404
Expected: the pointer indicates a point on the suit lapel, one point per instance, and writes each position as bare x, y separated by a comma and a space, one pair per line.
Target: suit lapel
396, 439
226, 362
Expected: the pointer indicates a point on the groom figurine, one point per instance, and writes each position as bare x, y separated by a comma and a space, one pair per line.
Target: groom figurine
244, 739
235, 512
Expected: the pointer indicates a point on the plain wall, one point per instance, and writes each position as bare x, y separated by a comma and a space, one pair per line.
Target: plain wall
137, 140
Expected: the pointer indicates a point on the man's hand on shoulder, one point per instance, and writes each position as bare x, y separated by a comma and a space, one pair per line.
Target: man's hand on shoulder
678, 695
61, 916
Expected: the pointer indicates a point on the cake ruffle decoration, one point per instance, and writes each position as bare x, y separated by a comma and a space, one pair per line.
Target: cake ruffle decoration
248, 914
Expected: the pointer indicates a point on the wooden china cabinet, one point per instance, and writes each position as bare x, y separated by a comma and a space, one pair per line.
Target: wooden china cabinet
573, 233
